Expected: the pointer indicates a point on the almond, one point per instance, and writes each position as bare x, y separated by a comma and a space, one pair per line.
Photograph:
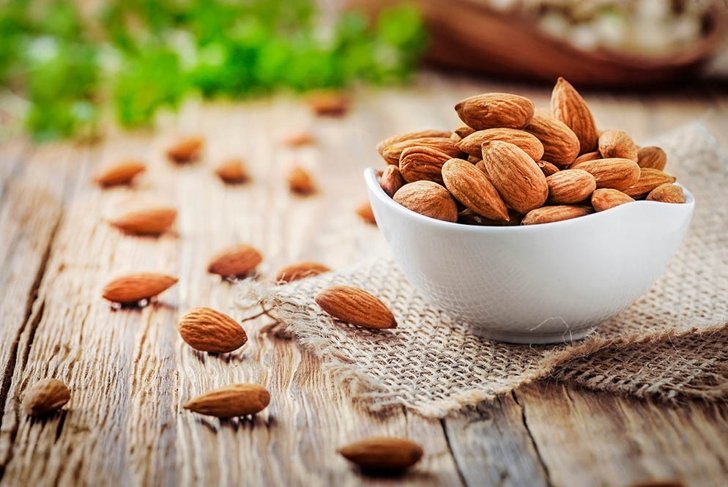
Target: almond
518, 179
300, 270
649, 180
384, 454
418, 163
616, 143
463, 131
560, 144
232, 171
605, 198
589, 156
469, 217
207, 330
298, 139
391, 148
428, 199
235, 261
473, 143
667, 193
300, 181
495, 110
365, 212
132, 288
120, 173
328, 103
549, 214
152, 221
355, 306
231, 401
612, 173
185, 150
45, 397
470, 186
547, 168
570, 186
568, 106
651, 157
392, 154
391, 180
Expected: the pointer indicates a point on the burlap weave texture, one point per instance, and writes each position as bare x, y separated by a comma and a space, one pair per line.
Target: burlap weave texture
671, 344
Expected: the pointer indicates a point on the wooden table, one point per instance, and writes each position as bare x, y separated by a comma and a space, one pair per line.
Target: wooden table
129, 372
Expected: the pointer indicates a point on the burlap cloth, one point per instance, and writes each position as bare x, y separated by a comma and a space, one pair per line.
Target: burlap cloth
672, 344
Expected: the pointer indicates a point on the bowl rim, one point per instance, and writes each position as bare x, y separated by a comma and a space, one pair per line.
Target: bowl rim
372, 182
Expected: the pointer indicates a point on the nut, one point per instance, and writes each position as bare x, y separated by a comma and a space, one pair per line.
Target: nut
473, 143
502, 110
616, 143
132, 288
428, 199
470, 186
207, 330
231, 401
568, 106
356, 306
606, 198
570, 186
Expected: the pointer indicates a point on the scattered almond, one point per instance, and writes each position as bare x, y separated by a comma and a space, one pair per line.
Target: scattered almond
570, 186
471, 187
132, 288
152, 221
365, 212
298, 139
549, 214
233, 171
606, 198
649, 180
120, 173
518, 179
616, 143
495, 110
391, 180
185, 150
231, 401
667, 193
300, 270
568, 106
207, 330
589, 156
45, 397
429, 199
356, 306
422, 163
547, 168
383, 454
473, 143
612, 173
560, 144
235, 261
300, 181
651, 157
328, 103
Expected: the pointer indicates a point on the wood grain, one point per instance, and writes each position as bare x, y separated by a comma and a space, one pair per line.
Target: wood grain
129, 372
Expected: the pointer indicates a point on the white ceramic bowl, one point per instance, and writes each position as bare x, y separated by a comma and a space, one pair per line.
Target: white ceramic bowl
534, 284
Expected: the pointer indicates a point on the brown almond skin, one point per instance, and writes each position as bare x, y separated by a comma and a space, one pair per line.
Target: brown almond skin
570, 186
649, 180
45, 397
473, 143
148, 221
422, 163
606, 198
300, 270
612, 173
495, 110
547, 168
391, 180
207, 330
382, 454
568, 106
300, 182
364, 211
132, 288
392, 154
428, 199
616, 143
185, 150
463, 131
120, 173
470, 186
550, 214
589, 156
356, 306
651, 157
233, 171
560, 144
231, 401
391, 148
235, 261
518, 179
667, 193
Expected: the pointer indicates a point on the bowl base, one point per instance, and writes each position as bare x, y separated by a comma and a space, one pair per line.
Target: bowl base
533, 338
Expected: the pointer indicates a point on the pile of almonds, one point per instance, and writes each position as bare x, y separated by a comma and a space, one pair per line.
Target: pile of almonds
508, 165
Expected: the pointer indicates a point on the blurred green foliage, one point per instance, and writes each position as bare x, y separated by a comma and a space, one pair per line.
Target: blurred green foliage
141, 55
